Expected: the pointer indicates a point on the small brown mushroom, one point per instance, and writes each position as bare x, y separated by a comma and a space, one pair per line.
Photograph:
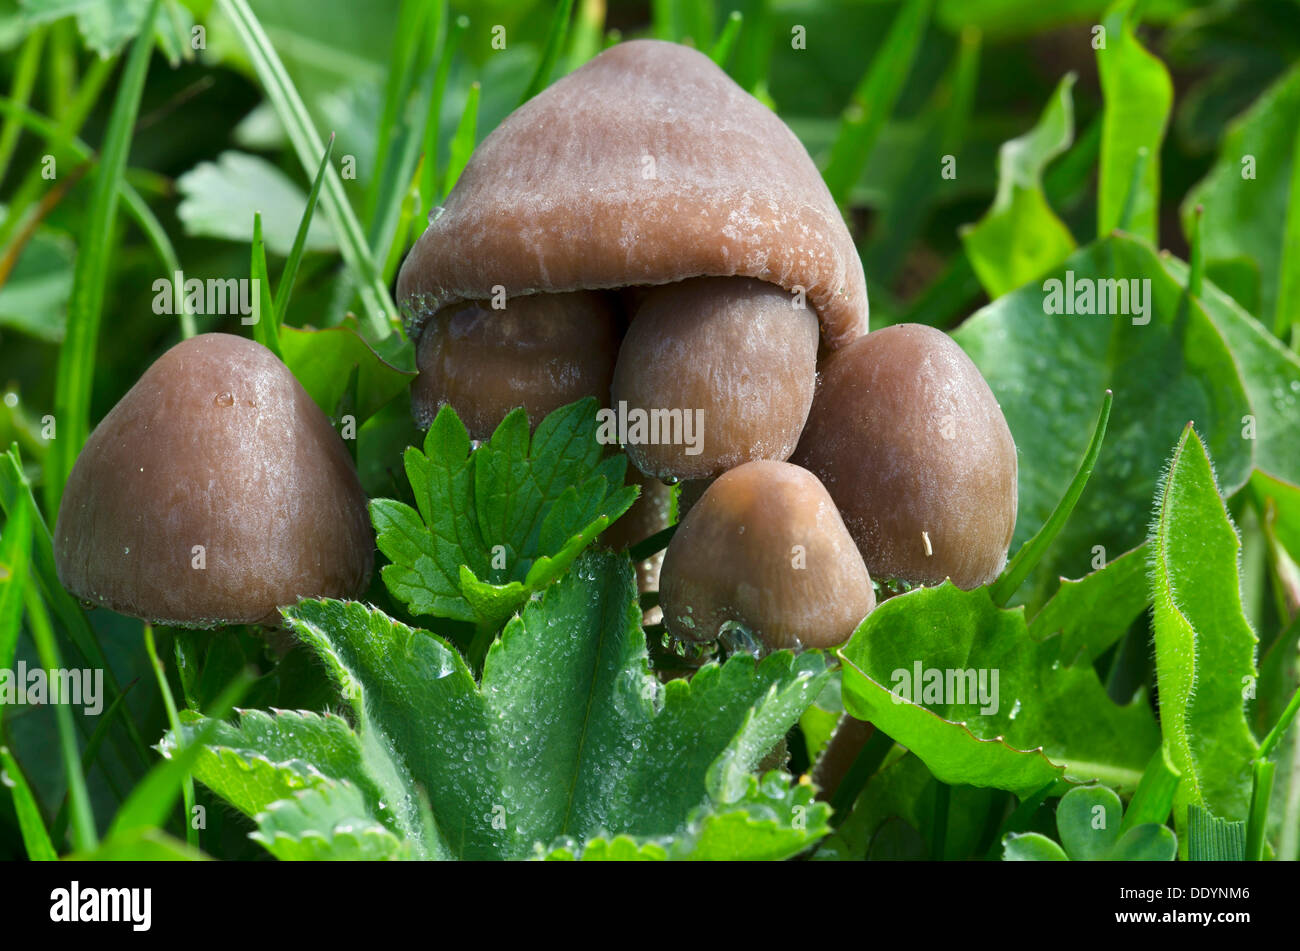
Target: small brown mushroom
214, 492
912, 445
649, 514
765, 547
737, 355
649, 166
540, 352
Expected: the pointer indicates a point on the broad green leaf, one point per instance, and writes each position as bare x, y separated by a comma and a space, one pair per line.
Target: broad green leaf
1031, 847
1088, 819
34, 298
1045, 368
1204, 647
1037, 722
1095, 611
1020, 238
497, 525
324, 361
220, 198
329, 821
1139, 96
1246, 196
569, 734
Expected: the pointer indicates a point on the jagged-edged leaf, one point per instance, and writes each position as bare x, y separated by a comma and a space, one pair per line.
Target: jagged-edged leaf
1204, 646
494, 526
1020, 238
329, 822
1166, 363
959, 682
568, 734
1093, 612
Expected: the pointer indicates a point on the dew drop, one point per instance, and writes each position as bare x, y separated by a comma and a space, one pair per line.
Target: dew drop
224, 399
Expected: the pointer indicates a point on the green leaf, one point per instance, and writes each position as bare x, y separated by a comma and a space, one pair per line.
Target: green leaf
1046, 368
31, 824
324, 361
1031, 847
141, 845
1246, 195
874, 99
1088, 820
1149, 842
1139, 96
569, 734
555, 38
1154, 799
495, 526
1095, 611
266, 323
1041, 721
330, 822
34, 298
77, 355
290, 272
107, 25
15, 561
1204, 647
219, 200
1020, 238
462, 141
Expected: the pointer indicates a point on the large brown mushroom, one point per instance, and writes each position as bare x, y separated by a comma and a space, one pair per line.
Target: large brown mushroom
649, 166
765, 548
214, 492
912, 445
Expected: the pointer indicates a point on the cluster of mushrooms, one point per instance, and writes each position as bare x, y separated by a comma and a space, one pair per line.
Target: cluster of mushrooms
644, 232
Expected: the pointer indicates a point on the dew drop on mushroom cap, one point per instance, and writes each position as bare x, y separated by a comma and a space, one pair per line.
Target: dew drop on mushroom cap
648, 166
540, 352
911, 443
765, 547
214, 492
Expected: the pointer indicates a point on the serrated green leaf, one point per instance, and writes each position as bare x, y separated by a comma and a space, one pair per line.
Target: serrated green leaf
1139, 96
498, 525
328, 822
569, 733
1020, 238
1093, 612
1045, 720
1204, 646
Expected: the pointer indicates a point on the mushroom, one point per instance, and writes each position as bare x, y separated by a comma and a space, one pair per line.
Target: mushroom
214, 492
649, 514
912, 445
539, 352
765, 547
649, 166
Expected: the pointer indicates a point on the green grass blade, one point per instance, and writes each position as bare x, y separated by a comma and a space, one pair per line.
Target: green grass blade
379, 314
1196, 262
726, 41
586, 34
15, 555
76, 367
174, 721
1257, 822
30, 823
874, 99
88, 757
1029, 554
1286, 322
266, 326
429, 178
462, 143
1213, 839
25, 70
83, 819
155, 795
555, 38
290, 272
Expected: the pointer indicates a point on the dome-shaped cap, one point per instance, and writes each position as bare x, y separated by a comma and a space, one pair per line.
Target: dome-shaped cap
214, 492
648, 165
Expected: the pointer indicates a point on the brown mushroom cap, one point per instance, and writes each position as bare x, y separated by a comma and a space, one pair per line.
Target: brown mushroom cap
732, 351
765, 547
646, 166
912, 445
540, 352
217, 445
